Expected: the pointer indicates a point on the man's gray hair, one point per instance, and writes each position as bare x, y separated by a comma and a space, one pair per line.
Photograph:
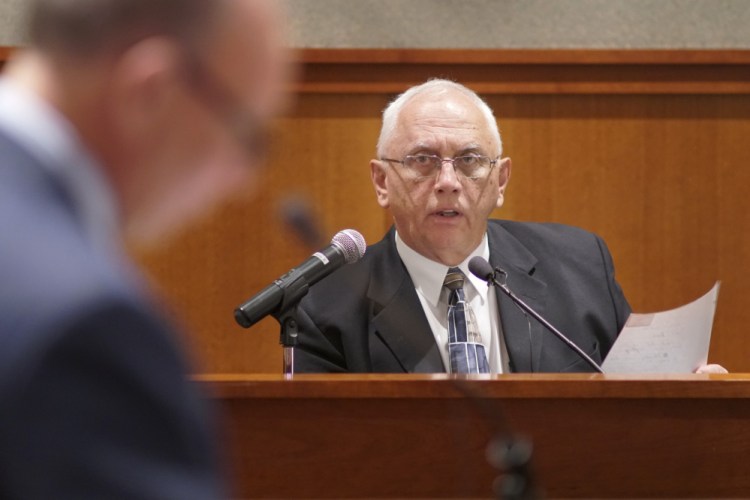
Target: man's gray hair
435, 87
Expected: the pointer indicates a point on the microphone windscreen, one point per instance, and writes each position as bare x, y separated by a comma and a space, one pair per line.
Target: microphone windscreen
480, 268
351, 243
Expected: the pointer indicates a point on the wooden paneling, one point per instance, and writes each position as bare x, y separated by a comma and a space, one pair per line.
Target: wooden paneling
529, 71
414, 436
662, 178
321, 154
647, 148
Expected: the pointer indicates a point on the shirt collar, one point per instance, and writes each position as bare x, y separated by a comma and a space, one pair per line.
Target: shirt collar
54, 142
428, 275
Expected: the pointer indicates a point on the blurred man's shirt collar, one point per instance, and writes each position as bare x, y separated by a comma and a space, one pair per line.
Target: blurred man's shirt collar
48, 136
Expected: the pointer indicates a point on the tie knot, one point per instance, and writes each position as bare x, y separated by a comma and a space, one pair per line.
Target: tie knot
454, 279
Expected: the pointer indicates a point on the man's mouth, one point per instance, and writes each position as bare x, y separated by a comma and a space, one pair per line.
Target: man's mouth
447, 213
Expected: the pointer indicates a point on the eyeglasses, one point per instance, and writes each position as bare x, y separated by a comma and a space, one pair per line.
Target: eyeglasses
423, 166
246, 128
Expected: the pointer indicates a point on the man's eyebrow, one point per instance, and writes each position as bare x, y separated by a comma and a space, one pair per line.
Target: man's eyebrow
428, 149
470, 148
473, 148
422, 148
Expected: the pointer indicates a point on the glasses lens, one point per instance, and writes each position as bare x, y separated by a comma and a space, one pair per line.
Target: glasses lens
422, 165
472, 166
469, 166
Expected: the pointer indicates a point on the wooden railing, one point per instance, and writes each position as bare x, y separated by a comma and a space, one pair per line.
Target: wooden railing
411, 436
529, 71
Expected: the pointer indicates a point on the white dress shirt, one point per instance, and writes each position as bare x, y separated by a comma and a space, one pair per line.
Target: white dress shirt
428, 277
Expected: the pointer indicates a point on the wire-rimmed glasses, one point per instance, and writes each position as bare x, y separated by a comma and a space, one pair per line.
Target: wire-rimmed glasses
469, 166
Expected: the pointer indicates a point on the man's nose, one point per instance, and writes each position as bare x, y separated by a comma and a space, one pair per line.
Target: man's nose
447, 176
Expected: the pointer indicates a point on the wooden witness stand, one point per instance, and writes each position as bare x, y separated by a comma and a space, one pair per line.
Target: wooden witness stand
425, 436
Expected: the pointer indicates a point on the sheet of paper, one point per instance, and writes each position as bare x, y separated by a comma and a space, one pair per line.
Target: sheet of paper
674, 341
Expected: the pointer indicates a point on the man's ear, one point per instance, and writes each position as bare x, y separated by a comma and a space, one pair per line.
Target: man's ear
504, 166
379, 182
143, 83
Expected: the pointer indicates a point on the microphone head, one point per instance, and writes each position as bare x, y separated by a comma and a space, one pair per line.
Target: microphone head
351, 243
480, 268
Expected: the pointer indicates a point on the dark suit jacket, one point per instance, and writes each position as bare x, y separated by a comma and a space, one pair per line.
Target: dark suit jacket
366, 317
94, 399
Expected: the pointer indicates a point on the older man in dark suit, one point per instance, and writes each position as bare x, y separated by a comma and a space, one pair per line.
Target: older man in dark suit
123, 117
440, 172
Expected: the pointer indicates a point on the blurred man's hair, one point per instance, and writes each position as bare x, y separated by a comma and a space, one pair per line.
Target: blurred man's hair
91, 27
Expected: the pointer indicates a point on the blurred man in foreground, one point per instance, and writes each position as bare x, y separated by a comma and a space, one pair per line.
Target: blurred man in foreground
412, 305
123, 118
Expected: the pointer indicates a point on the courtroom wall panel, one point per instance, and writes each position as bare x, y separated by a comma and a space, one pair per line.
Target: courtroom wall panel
648, 148
661, 177
320, 154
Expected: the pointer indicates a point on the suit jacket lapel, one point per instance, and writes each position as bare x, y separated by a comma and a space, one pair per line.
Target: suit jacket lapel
524, 336
397, 318
398, 321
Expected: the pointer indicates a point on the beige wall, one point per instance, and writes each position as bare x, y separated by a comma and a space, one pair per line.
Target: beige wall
11, 21
521, 23
498, 23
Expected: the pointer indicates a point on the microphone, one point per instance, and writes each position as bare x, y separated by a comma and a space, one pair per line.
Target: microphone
482, 269
347, 246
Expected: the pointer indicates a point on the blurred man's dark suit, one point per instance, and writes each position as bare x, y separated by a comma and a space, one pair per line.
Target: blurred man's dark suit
94, 401
367, 316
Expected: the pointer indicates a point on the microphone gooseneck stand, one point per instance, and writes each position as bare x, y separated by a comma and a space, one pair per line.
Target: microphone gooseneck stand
511, 455
492, 279
286, 315
507, 452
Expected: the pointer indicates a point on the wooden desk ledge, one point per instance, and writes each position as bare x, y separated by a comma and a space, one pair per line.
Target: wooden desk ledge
516, 386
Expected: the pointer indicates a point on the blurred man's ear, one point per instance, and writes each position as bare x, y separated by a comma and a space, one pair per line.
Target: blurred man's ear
143, 86
504, 177
377, 172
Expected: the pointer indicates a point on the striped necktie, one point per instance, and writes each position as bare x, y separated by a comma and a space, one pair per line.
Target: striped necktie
464, 342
